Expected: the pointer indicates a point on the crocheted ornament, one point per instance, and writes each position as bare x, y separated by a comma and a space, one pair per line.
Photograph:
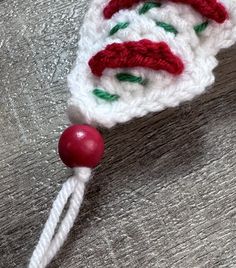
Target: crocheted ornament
137, 57
134, 57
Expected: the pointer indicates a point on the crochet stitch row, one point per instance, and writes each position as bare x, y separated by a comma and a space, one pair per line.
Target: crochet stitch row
208, 8
143, 53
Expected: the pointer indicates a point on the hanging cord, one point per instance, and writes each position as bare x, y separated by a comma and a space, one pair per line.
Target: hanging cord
51, 240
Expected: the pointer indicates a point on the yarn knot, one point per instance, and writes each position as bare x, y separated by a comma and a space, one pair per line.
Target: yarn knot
82, 174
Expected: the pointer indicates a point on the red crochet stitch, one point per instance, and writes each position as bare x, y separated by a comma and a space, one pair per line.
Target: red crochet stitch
143, 53
208, 8
116, 5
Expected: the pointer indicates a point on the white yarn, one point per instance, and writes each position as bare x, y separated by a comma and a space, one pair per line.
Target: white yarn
51, 240
197, 52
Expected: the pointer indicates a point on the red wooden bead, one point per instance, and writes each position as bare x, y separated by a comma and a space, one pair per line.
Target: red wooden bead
81, 146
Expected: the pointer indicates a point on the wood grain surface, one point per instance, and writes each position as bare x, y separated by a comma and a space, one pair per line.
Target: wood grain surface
165, 194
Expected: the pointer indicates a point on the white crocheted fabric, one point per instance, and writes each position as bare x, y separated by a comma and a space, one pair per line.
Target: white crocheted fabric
193, 38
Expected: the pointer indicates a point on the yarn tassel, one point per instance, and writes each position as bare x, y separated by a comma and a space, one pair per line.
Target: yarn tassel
51, 240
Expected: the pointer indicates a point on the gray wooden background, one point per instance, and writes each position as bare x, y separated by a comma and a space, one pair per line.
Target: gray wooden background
165, 194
